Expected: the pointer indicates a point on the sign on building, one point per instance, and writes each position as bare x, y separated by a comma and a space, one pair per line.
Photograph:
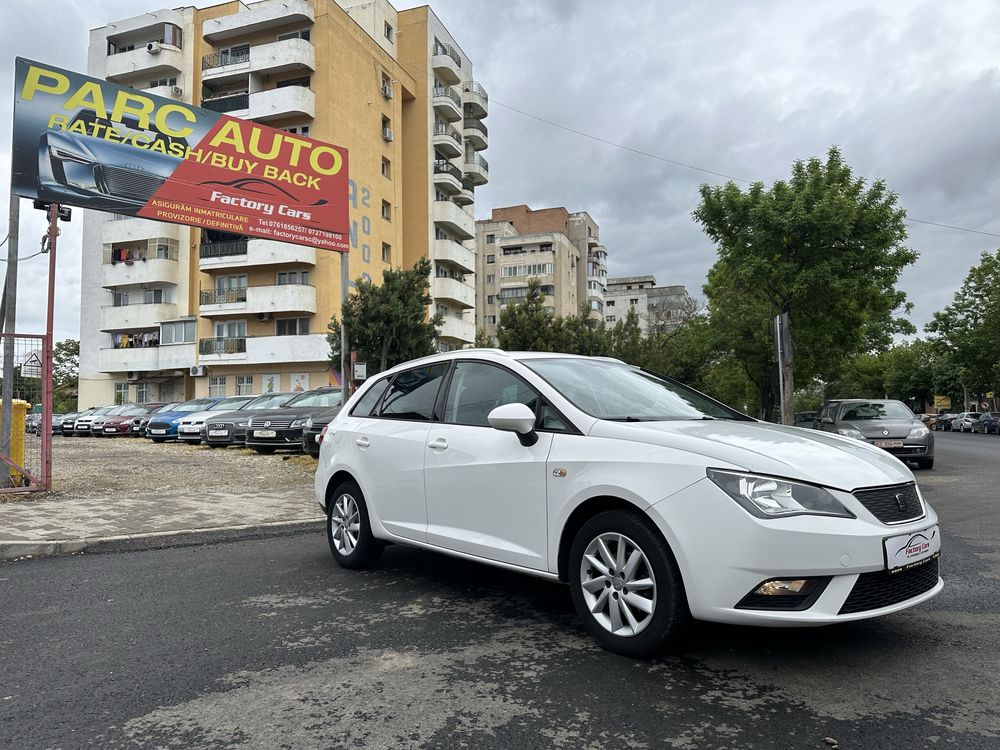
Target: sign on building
82, 141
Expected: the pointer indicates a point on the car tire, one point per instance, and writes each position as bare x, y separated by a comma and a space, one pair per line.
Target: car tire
265, 451
925, 463
348, 529
598, 590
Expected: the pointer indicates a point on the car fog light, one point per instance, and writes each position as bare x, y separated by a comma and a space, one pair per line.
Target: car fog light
779, 587
788, 594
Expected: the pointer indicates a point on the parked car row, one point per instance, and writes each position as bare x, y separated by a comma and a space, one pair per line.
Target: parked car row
267, 423
967, 421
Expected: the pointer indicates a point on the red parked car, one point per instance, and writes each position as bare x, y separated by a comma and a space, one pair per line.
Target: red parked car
120, 425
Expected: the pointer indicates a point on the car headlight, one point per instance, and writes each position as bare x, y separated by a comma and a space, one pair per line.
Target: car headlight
767, 497
63, 155
851, 433
297, 423
309, 422
918, 432
243, 424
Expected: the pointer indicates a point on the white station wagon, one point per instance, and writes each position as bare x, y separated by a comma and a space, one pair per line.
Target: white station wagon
653, 502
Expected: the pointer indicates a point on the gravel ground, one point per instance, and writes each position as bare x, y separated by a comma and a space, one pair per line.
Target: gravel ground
109, 467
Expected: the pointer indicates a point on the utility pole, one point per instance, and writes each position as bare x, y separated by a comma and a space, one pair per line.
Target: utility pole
9, 321
786, 375
55, 213
345, 274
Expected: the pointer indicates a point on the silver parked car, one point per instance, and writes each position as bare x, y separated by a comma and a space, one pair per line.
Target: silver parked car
886, 424
964, 421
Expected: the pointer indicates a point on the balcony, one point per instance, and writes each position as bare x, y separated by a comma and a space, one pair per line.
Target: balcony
176, 356
269, 14
465, 197
452, 252
130, 359
141, 271
266, 59
477, 169
120, 231
445, 288
455, 219
258, 300
253, 253
136, 317
167, 61
456, 329
447, 140
476, 100
265, 350
446, 63
167, 92
447, 177
273, 104
447, 103
592, 241
475, 133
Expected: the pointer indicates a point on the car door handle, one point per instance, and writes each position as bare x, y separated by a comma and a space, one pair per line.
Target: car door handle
362, 442
438, 444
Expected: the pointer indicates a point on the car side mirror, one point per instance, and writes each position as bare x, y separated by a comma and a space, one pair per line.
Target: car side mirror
516, 418
827, 420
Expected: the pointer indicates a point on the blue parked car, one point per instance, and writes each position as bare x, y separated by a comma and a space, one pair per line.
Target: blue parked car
988, 422
162, 426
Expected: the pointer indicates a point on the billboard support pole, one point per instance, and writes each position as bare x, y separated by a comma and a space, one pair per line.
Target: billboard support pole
46, 426
10, 315
344, 375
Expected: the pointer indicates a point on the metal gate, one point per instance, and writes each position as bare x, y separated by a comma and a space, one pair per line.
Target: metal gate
25, 438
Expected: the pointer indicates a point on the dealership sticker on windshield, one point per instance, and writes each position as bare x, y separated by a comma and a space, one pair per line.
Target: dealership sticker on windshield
910, 550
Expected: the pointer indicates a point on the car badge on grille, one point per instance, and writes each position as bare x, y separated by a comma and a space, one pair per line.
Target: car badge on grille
900, 503
885, 432
267, 423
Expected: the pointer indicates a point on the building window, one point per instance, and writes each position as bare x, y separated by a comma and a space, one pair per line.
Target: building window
244, 385
610, 303
491, 319
490, 299
491, 259
610, 318
302, 130
516, 250
530, 269
490, 239
217, 385
172, 81
386, 168
143, 393
634, 301
121, 392
303, 34
291, 327
491, 278
545, 247
387, 30
177, 332
386, 252
292, 277
386, 211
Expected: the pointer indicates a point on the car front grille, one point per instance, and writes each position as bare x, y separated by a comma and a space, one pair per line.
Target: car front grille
128, 183
158, 426
883, 589
892, 504
275, 424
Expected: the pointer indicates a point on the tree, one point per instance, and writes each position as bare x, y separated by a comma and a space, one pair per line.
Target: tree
388, 324
527, 326
65, 375
823, 247
584, 334
626, 339
484, 340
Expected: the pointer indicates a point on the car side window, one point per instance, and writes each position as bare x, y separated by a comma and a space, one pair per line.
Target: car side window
478, 388
413, 393
370, 400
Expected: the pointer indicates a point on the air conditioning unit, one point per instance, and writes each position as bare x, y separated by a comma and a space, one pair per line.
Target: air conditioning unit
132, 376
198, 371
177, 91
153, 48
386, 134
264, 316
387, 91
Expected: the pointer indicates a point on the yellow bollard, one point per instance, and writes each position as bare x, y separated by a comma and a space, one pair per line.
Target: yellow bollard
18, 411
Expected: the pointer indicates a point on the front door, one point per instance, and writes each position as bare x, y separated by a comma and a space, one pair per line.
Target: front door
485, 491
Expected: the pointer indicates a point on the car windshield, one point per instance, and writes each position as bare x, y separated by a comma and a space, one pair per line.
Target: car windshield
167, 407
133, 411
271, 401
323, 398
620, 392
101, 411
875, 410
229, 404
201, 404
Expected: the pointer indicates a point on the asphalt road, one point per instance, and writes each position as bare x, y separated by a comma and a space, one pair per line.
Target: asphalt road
267, 644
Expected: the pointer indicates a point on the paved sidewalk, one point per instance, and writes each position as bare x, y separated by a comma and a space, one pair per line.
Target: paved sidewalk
59, 526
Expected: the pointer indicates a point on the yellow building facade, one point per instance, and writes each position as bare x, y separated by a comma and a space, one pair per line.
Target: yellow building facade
170, 312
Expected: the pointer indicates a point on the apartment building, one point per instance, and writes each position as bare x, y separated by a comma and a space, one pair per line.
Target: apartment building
171, 312
659, 308
561, 249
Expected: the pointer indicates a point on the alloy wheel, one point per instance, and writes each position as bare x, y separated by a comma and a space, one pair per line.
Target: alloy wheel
618, 585
345, 524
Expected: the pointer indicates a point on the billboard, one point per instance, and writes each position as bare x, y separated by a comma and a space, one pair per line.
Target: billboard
82, 141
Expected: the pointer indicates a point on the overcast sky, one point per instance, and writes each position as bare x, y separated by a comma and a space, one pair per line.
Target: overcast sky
908, 90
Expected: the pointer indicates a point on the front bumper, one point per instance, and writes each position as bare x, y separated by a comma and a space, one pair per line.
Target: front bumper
189, 433
309, 444
724, 553
283, 438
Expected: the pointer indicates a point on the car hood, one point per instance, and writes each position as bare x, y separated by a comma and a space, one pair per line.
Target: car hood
202, 415
883, 429
289, 411
119, 418
233, 416
807, 455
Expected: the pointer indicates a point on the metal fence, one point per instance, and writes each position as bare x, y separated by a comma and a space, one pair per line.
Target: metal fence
25, 446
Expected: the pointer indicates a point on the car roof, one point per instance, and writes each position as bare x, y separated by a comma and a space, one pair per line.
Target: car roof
496, 354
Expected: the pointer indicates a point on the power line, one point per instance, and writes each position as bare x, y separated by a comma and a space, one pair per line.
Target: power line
951, 226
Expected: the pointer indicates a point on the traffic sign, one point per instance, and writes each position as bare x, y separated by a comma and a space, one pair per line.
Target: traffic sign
32, 366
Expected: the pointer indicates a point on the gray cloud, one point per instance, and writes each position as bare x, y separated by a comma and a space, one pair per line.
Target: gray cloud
906, 90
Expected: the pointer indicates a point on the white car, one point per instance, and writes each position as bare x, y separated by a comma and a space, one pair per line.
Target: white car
652, 501
964, 421
189, 429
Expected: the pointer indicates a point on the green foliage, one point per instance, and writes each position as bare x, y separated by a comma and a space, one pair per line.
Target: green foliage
484, 340
527, 326
824, 247
969, 328
65, 375
388, 324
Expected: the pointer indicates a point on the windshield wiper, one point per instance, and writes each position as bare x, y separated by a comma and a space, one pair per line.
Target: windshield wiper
630, 418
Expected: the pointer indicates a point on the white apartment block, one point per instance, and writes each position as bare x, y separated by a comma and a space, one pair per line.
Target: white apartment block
659, 308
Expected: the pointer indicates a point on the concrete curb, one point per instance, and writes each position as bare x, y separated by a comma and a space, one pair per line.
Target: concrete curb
10, 550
